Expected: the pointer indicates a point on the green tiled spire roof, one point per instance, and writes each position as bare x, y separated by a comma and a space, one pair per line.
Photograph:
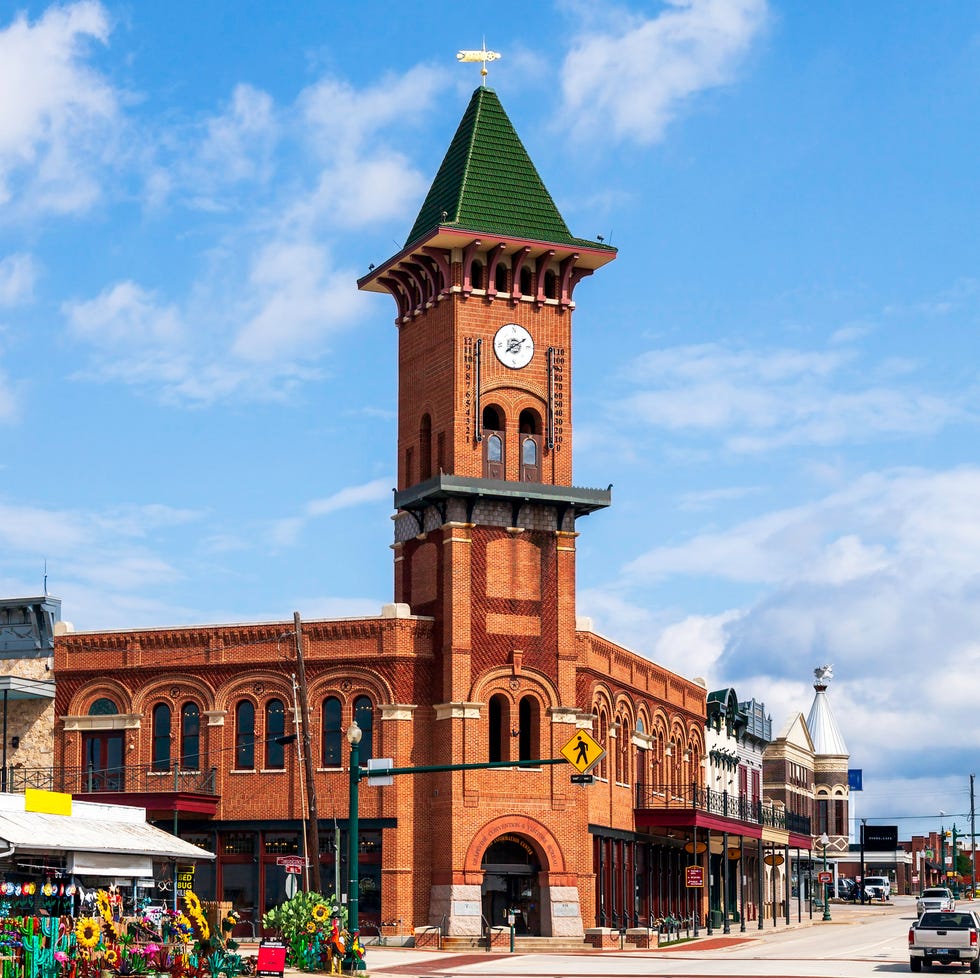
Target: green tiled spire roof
488, 184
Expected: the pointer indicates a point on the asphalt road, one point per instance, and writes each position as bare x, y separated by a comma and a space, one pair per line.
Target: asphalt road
859, 942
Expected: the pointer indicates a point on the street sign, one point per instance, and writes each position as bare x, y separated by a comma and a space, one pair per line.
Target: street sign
293, 864
378, 765
582, 779
292, 885
825, 877
694, 875
583, 751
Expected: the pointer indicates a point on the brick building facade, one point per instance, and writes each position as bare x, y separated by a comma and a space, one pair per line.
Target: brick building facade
481, 657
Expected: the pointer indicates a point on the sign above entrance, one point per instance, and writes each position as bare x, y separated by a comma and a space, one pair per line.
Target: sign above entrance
583, 751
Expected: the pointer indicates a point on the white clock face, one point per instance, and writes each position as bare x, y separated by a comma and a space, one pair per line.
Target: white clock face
513, 346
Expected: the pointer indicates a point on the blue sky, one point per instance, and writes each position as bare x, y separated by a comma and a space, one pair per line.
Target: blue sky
778, 375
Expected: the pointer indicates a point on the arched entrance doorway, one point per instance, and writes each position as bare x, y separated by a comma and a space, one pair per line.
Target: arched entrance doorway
510, 883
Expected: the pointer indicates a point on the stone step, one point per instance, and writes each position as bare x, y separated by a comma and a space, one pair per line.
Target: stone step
524, 944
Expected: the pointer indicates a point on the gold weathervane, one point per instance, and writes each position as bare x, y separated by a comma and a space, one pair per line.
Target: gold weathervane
483, 55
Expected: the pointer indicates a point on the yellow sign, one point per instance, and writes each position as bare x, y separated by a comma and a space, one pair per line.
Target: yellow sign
583, 751
49, 802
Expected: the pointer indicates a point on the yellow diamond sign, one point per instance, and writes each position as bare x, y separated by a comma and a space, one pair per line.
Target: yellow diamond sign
583, 751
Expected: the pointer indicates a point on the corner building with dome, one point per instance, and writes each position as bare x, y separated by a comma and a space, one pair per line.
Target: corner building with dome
479, 658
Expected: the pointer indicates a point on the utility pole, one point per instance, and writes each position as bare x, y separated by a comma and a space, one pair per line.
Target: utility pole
864, 822
312, 826
973, 840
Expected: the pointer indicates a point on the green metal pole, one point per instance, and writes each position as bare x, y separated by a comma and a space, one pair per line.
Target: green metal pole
826, 899
353, 853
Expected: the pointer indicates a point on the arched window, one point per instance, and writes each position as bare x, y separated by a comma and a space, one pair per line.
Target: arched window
190, 737
500, 277
245, 736
161, 737
525, 281
493, 455
333, 733
364, 715
275, 731
103, 707
529, 728
499, 715
623, 743
550, 285
425, 448
600, 724
530, 427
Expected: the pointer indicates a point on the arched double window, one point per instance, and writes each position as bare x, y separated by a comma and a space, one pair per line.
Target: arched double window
245, 736
333, 733
190, 737
161, 737
275, 732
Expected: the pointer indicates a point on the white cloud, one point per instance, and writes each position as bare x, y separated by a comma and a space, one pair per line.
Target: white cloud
300, 300
18, 274
761, 400
634, 81
58, 114
286, 531
122, 316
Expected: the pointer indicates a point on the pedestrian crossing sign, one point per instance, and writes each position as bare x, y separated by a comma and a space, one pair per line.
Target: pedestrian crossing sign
583, 751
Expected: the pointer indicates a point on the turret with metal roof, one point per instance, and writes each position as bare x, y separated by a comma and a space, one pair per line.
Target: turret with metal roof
826, 735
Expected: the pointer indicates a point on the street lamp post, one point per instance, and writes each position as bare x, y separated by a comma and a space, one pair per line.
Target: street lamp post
353, 962
824, 842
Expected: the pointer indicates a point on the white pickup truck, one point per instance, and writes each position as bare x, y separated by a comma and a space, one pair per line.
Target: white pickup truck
945, 937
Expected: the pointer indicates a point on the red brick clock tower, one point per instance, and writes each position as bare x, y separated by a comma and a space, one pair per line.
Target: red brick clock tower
486, 515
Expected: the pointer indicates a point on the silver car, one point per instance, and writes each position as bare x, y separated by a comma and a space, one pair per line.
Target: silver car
935, 898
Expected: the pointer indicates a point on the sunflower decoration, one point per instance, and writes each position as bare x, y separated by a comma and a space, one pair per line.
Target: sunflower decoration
310, 927
87, 932
104, 907
320, 913
229, 921
102, 902
111, 957
191, 903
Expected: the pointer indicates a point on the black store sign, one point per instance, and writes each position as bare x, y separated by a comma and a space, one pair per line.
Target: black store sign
881, 836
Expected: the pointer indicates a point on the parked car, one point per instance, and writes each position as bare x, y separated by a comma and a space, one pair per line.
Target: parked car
882, 883
845, 888
935, 898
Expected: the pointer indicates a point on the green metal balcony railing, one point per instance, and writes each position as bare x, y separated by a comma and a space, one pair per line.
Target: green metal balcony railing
133, 779
724, 803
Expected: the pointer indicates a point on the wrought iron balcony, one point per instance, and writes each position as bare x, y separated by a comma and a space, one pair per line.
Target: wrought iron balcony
129, 779
724, 803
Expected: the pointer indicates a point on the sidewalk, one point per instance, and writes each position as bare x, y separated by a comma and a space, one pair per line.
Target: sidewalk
398, 962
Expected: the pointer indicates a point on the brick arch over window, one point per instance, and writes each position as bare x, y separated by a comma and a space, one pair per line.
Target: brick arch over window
545, 845
82, 702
